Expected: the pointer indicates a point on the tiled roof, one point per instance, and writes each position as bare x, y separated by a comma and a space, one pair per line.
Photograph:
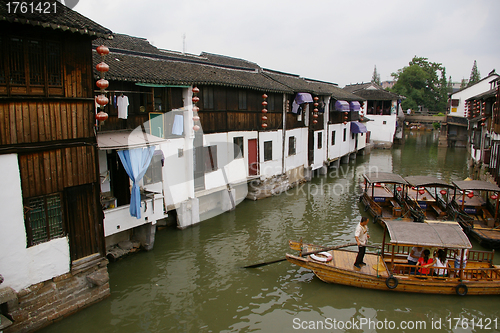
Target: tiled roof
142, 69
330, 89
371, 91
63, 19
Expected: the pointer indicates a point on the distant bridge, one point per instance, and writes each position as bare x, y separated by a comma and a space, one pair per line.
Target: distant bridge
425, 119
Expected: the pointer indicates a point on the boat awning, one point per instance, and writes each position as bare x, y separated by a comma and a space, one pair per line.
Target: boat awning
478, 185
440, 234
303, 98
418, 181
342, 106
126, 140
384, 177
355, 106
357, 127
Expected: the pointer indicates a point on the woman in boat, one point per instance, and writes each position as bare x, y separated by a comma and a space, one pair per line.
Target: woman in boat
441, 262
458, 257
424, 262
361, 235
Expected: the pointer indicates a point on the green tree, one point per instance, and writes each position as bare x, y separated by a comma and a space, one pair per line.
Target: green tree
475, 77
376, 76
423, 83
463, 84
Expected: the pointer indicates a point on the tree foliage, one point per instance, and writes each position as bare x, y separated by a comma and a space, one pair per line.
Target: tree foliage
475, 77
376, 76
423, 83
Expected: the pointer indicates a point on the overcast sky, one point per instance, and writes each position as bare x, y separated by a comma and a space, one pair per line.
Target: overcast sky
330, 40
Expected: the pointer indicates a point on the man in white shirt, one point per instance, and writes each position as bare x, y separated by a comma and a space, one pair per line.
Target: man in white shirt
362, 236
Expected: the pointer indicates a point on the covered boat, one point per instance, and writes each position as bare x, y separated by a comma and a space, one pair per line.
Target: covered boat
388, 269
426, 197
476, 208
382, 197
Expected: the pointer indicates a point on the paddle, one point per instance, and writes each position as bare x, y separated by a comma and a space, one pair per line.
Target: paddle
304, 254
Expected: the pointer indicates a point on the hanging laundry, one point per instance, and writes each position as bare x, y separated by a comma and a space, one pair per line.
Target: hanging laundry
122, 103
178, 126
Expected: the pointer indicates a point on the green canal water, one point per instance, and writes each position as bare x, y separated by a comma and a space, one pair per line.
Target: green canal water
192, 281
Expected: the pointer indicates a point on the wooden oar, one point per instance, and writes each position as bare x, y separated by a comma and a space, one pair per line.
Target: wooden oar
304, 254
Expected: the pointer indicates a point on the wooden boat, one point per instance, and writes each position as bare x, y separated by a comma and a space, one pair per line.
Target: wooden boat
382, 197
388, 269
424, 196
475, 205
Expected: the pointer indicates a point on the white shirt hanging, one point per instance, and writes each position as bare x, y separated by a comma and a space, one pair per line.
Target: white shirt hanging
122, 103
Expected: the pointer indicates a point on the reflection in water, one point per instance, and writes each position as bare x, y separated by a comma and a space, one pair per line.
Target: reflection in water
192, 280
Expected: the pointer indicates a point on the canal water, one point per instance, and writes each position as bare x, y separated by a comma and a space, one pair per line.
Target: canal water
192, 281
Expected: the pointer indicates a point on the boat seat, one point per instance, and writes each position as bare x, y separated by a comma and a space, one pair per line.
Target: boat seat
396, 208
438, 210
490, 221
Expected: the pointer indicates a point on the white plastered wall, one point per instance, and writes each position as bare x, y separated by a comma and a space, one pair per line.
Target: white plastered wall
21, 266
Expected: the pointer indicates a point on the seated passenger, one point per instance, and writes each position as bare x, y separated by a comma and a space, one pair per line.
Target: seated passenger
440, 261
413, 257
424, 262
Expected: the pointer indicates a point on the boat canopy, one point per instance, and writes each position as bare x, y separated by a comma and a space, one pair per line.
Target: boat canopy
384, 177
478, 185
441, 234
418, 181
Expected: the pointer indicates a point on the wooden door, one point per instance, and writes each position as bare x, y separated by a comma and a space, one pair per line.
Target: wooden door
83, 221
253, 162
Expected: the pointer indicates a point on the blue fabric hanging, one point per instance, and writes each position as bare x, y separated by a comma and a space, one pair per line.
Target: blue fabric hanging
136, 162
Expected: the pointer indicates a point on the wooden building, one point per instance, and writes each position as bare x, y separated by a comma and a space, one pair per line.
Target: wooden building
52, 225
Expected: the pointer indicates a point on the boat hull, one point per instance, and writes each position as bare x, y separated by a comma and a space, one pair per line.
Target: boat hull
369, 278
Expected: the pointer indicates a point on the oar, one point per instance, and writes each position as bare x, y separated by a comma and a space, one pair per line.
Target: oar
304, 254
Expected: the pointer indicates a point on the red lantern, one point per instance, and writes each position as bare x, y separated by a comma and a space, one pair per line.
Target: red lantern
316, 110
470, 194
421, 191
102, 100
443, 192
264, 96
316, 98
102, 84
195, 99
264, 103
315, 115
196, 90
196, 127
102, 67
264, 118
316, 105
264, 125
196, 118
102, 50
196, 109
101, 116
315, 121
399, 189
494, 196
264, 110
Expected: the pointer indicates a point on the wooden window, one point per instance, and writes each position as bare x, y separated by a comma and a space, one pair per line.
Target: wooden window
43, 218
208, 98
16, 56
291, 146
35, 62
2, 66
345, 134
268, 151
320, 140
333, 138
154, 172
242, 100
238, 147
54, 72
270, 102
210, 157
455, 102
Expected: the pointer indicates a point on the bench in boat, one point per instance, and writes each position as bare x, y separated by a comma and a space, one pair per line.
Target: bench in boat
438, 210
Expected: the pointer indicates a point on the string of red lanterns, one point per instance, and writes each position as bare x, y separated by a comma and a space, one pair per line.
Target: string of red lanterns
264, 111
196, 118
102, 83
315, 111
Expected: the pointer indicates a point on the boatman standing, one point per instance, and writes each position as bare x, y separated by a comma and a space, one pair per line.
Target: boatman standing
362, 236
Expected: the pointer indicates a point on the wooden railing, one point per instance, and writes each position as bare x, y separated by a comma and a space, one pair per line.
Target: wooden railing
481, 273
